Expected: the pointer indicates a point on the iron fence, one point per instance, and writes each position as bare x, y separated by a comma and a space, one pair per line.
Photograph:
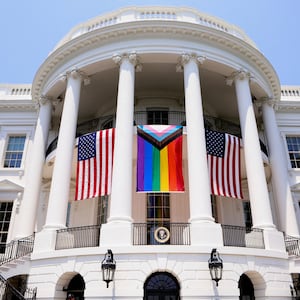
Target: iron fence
238, 236
16, 249
78, 237
171, 118
292, 245
145, 234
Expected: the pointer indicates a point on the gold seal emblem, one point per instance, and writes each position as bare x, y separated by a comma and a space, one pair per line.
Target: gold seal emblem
162, 234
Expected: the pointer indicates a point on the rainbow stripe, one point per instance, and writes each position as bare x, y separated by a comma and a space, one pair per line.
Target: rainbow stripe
159, 163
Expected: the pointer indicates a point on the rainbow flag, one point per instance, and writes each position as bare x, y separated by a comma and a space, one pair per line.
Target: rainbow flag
159, 158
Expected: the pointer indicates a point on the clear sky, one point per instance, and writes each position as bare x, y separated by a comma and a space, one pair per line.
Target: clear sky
29, 29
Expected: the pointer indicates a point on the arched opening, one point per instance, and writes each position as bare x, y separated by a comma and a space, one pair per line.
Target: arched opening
76, 287
246, 288
161, 286
19, 283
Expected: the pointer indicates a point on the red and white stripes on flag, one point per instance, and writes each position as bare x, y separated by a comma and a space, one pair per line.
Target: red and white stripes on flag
94, 164
223, 156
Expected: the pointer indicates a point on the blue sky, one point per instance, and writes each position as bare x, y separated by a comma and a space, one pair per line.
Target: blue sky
29, 29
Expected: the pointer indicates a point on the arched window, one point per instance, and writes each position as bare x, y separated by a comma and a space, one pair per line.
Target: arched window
161, 286
76, 287
246, 288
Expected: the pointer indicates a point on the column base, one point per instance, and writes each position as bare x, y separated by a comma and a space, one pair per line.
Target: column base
44, 241
116, 233
274, 240
206, 234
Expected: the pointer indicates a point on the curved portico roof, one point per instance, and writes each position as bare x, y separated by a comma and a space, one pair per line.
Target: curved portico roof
141, 14
77, 48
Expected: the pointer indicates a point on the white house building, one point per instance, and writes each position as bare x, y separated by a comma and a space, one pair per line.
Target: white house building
144, 98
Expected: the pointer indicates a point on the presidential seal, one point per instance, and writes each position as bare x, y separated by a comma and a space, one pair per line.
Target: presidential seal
162, 234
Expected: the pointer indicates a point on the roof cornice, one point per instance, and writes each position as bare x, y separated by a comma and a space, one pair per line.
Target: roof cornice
210, 35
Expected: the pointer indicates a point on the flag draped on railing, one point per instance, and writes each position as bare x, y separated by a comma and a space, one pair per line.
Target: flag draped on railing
94, 164
159, 162
159, 158
223, 156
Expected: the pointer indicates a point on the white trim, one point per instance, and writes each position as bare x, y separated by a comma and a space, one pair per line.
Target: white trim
8, 131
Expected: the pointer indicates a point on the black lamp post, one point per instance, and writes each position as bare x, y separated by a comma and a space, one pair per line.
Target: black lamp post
108, 267
215, 265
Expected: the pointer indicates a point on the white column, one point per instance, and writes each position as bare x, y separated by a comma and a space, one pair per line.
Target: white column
199, 186
203, 228
60, 186
31, 197
283, 195
258, 190
118, 228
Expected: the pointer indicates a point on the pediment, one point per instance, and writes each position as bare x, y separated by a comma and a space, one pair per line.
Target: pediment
296, 187
7, 185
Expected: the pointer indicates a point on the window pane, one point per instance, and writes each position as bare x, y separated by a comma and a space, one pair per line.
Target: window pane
5, 215
293, 145
14, 152
158, 214
102, 210
158, 117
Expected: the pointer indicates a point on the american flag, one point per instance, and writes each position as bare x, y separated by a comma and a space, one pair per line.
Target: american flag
223, 156
94, 164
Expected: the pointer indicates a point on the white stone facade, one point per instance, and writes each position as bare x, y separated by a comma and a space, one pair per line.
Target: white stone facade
117, 70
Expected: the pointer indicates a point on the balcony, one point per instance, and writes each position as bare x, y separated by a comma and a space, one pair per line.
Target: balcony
16, 249
144, 234
78, 237
178, 234
238, 236
144, 118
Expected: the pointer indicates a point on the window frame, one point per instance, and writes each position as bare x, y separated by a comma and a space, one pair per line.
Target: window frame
159, 206
10, 160
6, 133
102, 209
7, 232
286, 136
156, 110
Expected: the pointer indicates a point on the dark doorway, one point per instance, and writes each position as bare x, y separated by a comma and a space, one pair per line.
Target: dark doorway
246, 288
76, 287
161, 286
19, 283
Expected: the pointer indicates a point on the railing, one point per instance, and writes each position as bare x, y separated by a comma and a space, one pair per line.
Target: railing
173, 118
144, 234
238, 236
292, 245
16, 249
78, 237
139, 14
8, 291
15, 89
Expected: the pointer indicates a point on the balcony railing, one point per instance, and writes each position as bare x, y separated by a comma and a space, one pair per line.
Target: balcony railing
78, 237
144, 234
292, 245
179, 234
171, 118
16, 249
237, 236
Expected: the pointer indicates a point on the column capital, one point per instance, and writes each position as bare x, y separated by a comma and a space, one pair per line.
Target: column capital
241, 75
44, 99
186, 57
266, 101
77, 74
132, 57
